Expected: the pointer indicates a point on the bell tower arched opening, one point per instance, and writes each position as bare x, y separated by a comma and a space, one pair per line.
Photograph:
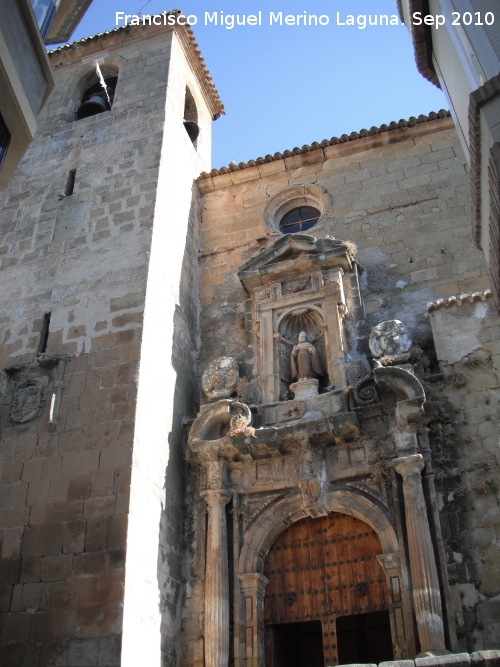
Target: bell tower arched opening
327, 598
191, 117
99, 91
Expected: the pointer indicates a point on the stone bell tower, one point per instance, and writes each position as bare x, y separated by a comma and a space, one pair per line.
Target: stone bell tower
98, 329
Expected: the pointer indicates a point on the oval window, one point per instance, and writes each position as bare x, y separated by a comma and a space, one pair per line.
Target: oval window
299, 220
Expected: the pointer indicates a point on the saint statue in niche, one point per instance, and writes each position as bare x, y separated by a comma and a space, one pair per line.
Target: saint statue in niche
305, 362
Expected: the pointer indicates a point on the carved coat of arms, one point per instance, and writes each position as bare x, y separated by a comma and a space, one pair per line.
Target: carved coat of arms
27, 401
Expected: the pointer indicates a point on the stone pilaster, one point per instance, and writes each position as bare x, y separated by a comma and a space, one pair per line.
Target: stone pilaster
216, 581
253, 586
425, 582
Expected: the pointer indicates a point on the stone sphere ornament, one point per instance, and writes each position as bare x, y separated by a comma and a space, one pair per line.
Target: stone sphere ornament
220, 378
390, 342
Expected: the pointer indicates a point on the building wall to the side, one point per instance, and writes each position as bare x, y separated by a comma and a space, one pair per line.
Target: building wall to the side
467, 338
25, 80
403, 198
97, 261
465, 51
491, 23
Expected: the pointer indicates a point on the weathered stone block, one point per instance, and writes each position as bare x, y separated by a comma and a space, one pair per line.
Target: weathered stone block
56, 568
99, 620
87, 591
79, 488
89, 563
109, 651
99, 506
115, 457
95, 537
11, 543
485, 658
32, 597
68, 511
58, 490
122, 480
30, 570
77, 463
12, 472
74, 536
62, 594
16, 626
44, 539
453, 660
111, 588
5, 600
32, 470
51, 467
116, 531
102, 483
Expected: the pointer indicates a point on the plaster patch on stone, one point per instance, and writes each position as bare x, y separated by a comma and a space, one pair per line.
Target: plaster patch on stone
470, 595
372, 256
456, 334
481, 309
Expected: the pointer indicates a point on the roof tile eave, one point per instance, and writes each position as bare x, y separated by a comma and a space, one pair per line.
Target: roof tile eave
411, 122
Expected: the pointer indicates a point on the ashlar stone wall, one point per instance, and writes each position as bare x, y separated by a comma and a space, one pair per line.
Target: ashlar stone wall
466, 443
401, 197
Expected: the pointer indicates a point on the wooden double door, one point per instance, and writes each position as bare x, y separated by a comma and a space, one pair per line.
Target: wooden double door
321, 570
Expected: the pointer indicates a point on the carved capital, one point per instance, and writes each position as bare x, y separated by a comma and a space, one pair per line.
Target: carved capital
391, 564
253, 583
409, 465
214, 497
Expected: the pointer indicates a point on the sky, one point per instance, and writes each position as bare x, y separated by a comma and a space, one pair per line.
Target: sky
289, 85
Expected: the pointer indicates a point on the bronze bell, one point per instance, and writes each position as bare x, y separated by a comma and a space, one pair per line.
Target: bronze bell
192, 129
91, 107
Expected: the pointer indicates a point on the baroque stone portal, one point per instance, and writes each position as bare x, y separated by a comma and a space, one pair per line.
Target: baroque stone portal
355, 452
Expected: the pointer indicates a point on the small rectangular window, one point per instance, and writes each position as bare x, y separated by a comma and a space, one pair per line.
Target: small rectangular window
44, 336
70, 183
4, 139
69, 188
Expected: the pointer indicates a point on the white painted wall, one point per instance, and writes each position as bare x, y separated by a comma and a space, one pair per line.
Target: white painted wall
179, 167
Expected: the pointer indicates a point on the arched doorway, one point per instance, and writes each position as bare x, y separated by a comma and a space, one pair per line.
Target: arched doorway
326, 601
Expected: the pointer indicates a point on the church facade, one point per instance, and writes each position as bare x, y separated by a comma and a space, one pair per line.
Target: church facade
249, 417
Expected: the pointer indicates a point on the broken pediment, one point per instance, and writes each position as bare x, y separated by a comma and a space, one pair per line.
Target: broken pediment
297, 253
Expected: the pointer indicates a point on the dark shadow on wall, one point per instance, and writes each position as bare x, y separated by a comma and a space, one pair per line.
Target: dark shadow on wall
171, 547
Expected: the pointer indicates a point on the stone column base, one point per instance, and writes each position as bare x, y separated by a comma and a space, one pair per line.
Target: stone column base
305, 388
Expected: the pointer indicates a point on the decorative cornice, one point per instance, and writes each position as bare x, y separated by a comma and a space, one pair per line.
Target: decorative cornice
421, 38
459, 300
188, 41
315, 146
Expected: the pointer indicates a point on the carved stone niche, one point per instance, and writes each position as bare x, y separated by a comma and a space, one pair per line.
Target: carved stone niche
301, 283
